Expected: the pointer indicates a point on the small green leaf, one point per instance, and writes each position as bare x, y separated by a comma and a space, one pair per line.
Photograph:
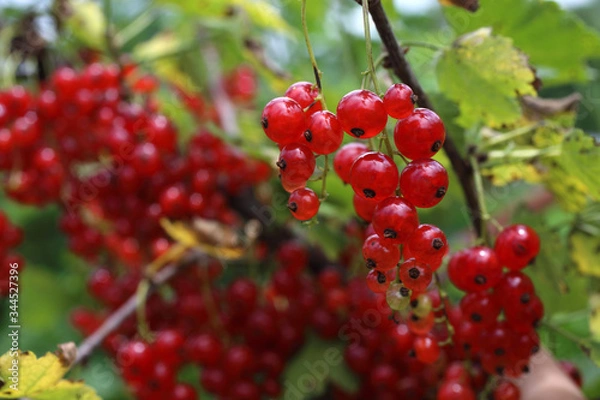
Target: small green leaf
584, 252
567, 42
87, 23
264, 15
485, 75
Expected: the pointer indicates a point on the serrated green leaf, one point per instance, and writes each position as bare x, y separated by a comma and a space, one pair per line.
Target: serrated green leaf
318, 362
87, 24
485, 75
40, 378
567, 42
584, 252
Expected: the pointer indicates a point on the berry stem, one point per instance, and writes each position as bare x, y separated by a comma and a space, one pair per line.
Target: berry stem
311, 55
507, 136
443, 304
484, 216
369, 45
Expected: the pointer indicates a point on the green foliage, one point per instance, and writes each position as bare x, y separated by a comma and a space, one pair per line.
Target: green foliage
557, 42
318, 363
485, 75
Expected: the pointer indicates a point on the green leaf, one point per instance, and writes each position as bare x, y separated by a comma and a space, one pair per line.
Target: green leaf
40, 378
567, 42
87, 23
584, 252
264, 15
317, 363
485, 75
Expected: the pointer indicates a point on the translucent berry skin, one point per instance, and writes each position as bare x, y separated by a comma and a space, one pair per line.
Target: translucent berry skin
362, 114
517, 246
420, 135
345, 157
374, 176
475, 269
514, 290
428, 244
305, 94
526, 317
415, 275
380, 255
364, 207
424, 182
399, 101
426, 349
283, 120
296, 162
420, 325
395, 220
480, 308
397, 297
455, 390
506, 391
379, 281
324, 134
304, 204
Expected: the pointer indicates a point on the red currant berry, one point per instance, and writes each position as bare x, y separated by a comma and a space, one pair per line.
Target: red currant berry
475, 269
420, 135
506, 391
364, 207
380, 255
454, 390
514, 290
345, 157
399, 101
426, 349
304, 204
374, 176
517, 246
305, 94
296, 162
395, 219
415, 275
480, 308
428, 245
362, 114
283, 120
324, 134
378, 281
424, 182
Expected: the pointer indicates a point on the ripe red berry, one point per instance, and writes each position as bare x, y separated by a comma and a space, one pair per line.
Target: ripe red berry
424, 182
506, 390
475, 269
420, 135
345, 157
514, 290
395, 219
454, 390
378, 281
480, 308
426, 349
399, 101
296, 162
283, 120
304, 204
364, 207
324, 134
362, 114
380, 255
415, 275
428, 244
146, 159
305, 94
374, 176
517, 246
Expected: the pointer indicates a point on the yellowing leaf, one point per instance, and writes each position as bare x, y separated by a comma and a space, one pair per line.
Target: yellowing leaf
570, 192
485, 75
264, 15
501, 175
204, 8
88, 24
595, 316
584, 252
39, 378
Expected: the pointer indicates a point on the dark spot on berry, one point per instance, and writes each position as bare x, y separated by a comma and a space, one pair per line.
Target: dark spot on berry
532, 261
525, 298
412, 353
476, 317
380, 278
265, 123
500, 370
436, 146
293, 207
441, 192
281, 164
414, 273
480, 280
389, 233
519, 249
308, 135
437, 243
499, 352
357, 132
414, 98
404, 292
535, 349
467, 346
370, 263
525, 369
414, 303
414, 317
369, 193
536, 323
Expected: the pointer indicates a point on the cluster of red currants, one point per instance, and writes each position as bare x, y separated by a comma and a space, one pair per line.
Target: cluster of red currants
11, 236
